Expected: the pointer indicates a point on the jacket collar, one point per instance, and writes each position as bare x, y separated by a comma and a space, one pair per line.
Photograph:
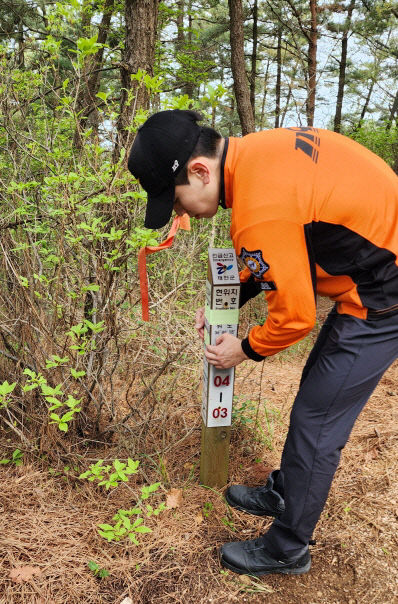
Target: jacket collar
222, 167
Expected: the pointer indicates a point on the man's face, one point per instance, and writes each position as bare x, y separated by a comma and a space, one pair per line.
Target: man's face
200, 198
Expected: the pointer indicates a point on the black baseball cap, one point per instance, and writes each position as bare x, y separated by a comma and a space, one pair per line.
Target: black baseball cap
162, 147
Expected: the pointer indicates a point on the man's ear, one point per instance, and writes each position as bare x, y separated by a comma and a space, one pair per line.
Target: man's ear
200, 168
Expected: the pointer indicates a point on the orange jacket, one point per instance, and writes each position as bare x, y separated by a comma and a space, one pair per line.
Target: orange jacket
312, 212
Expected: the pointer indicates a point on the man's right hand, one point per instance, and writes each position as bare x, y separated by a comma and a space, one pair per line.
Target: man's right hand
200, 322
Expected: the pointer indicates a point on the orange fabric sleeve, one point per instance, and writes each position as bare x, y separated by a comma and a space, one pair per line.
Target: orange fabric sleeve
244, 275
280, 246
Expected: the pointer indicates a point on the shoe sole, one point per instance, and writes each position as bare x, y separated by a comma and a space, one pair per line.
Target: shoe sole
252, 512
279, 571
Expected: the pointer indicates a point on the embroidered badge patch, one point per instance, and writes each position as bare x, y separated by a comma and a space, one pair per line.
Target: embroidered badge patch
254, 262
268, 286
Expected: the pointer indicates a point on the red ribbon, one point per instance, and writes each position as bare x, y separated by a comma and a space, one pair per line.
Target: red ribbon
181, 222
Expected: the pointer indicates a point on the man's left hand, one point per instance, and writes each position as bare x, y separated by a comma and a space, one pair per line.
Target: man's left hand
226, 353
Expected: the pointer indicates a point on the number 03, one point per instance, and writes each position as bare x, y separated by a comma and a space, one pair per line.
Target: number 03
220, 412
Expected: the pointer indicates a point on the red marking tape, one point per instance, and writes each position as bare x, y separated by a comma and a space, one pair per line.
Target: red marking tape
181, 222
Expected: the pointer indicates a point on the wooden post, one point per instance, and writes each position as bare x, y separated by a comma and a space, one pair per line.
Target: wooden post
221, 316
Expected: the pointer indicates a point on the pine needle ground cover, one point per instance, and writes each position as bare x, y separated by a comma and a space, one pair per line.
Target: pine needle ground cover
51, 549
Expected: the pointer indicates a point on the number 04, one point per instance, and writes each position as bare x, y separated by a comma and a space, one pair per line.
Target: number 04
219, 381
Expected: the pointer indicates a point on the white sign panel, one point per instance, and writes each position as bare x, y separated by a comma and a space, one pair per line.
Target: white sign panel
222, 296
220, 396
224, 266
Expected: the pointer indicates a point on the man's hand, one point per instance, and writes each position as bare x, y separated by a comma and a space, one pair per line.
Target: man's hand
200, 322
227, 352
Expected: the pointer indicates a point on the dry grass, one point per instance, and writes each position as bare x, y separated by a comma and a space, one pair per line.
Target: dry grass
49, 521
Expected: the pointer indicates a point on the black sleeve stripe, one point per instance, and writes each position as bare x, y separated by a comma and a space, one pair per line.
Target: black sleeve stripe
311, 255
249, 289
248, 350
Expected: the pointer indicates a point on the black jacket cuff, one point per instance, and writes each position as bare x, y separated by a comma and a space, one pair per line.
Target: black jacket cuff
248, 350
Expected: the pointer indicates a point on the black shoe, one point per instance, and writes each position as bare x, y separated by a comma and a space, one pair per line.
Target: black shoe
260, 501
251, 558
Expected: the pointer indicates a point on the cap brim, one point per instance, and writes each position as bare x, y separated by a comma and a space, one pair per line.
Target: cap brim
159, 208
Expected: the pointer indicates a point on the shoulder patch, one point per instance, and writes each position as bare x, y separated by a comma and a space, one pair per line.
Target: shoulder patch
254, 262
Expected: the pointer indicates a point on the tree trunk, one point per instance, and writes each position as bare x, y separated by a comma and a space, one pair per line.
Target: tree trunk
265, 90
87, 101
254, 59
393, 112
289, 95
278, 77
365, 106
395, 164
180, 24
342, 69
139, 53
312, 49
184, 41
21, 46
231, 121
242, 93
188, 88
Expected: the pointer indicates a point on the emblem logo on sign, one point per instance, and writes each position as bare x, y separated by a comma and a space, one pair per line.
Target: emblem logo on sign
254, 262
222, 268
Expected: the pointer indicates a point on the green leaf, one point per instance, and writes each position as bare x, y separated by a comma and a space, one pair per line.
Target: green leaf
93, 287
137, 522
103, 573
132, 466
23, 281
55, 361
147, 490
63, 427
29, 372
48, 391
159, 509
29, 387
102, 95
143, 529
118, 465
53, 400
73, 402
67, 416
77, 374
6, 388
107, 535
106, 527
88, 46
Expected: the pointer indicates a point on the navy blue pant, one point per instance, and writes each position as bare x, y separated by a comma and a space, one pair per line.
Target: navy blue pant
342, 370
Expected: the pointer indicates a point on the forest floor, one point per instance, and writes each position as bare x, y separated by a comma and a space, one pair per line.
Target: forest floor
49, 516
